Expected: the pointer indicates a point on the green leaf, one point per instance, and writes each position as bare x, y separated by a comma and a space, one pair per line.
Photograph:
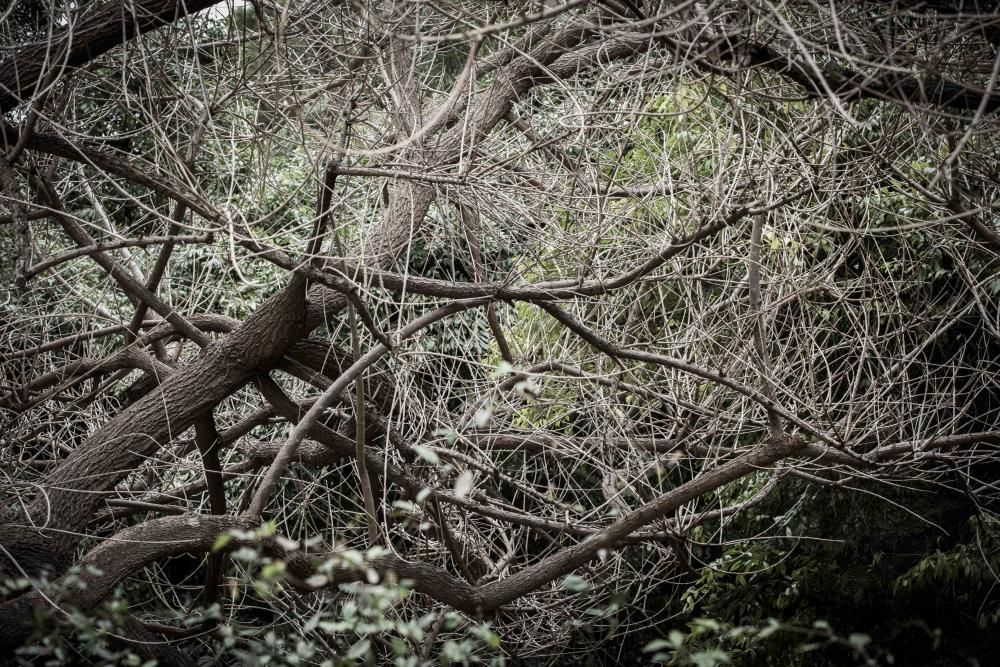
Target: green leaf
273, 570
427, 454
360, 650
313, 622
710, 658
575, 583
483, 416
503, 368
464, 483
657, 645
221, 541
772, 627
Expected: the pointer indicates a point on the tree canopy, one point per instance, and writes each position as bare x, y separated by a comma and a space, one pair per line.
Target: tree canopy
528, 332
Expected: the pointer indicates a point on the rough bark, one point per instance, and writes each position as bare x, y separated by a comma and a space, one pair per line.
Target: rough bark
106, 565
73, 492
97, 33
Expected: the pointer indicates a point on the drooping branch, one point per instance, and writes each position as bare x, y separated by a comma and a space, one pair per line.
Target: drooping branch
73, 490
130, 169
101, 29
104, 246
821, 80
170, 536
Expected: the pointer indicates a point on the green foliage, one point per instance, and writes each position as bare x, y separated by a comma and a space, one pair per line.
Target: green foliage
900, 572
71, 636
710, 643
852, 562
963, 576
355, 624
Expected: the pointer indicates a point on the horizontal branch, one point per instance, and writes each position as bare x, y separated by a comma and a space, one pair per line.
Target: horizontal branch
423, 177
109, 563
102, 246
97, 32
131, 170
848, 85
335, 278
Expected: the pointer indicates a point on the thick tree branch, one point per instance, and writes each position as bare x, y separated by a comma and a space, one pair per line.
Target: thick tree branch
97, 32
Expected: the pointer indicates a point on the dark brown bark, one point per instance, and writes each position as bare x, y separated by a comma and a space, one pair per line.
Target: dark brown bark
73, 491
130, 169
849, 85
170, 536
209, 442
101, 30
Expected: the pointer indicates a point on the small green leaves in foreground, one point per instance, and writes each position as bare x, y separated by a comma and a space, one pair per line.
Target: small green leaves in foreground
709, 643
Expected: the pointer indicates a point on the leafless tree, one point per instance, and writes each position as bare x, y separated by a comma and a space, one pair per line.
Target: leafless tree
318, 262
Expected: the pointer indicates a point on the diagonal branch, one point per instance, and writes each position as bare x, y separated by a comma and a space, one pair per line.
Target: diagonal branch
102, 29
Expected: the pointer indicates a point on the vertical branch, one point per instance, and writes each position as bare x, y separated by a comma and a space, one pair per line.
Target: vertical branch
398, 61
312, 253
22, 230
163, 259
470, 226
208, 442
359, 435
22, 258
324, 204
773, 420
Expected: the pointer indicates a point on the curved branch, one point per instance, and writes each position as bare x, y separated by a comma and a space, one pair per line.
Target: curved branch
334, 390
103, 29
104, 246
131, 170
